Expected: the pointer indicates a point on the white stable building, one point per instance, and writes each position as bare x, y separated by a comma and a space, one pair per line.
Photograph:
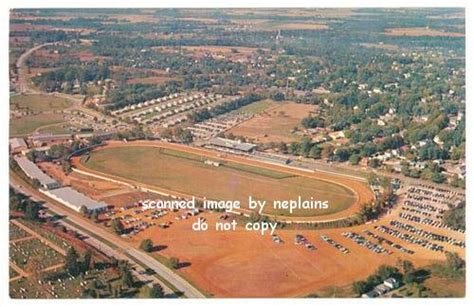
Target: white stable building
75, 200
34, 172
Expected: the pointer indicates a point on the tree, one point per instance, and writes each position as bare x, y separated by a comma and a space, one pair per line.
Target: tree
147, 245
354, 159
409, 278
282, 147
91, 293
374, 163
386, 271
95, 216
32, 210
156, 291
437, 177
359, 287
87, 261
312, 122
315, 152
407, 267
305, 147
454, 262
455, 217
83, 210
31, 155
279, 96
342, 154
72, 264
66, 166
184, 135
36, 183
327, 152
117, 226
174, 263
127, 278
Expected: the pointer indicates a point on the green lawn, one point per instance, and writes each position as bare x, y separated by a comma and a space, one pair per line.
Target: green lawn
56, 129
38, 103
187, 173
28, 124
256, 107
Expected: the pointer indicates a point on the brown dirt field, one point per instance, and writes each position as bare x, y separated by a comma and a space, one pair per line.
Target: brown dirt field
84, 184
241, 263
126, 198
446, 287
361, 190
420, 32
275, 125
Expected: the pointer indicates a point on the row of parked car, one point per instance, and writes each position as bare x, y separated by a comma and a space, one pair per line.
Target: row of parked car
427, 234
301, 240
339, 246
410, 238
428, 221
360, 240
388, 242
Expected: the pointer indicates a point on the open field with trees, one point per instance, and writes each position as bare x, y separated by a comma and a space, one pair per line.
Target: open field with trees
38, 103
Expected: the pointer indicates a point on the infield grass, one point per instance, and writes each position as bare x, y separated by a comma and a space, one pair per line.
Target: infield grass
186, 173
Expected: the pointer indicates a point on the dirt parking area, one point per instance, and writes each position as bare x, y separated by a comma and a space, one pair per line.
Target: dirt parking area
246, 264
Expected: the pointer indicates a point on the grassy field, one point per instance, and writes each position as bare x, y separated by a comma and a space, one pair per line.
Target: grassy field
256, 107
56, 129
38, 103
186, 173
28, 124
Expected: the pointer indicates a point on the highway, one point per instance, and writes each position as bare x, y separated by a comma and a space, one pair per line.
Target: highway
117, 246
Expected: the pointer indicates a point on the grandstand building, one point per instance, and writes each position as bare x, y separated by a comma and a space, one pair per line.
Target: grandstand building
232, 145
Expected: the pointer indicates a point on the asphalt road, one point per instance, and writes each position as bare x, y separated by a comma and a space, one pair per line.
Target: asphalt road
21, 63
